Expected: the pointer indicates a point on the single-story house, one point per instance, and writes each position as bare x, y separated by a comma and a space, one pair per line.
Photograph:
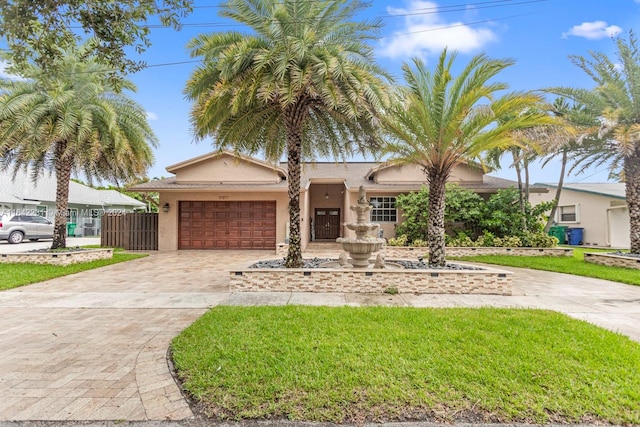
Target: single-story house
600, 209
222, 200
86, 204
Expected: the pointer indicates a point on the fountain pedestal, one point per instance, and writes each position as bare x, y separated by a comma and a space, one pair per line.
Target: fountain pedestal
361, 247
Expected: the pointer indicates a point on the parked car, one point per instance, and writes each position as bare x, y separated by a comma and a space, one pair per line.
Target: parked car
16, 228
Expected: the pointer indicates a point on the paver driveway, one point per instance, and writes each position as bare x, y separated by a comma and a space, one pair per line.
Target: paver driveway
92, 346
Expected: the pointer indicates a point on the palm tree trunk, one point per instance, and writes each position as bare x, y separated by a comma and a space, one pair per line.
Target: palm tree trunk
435, 230
556, 199
526, 180
632, 188
294, 117
63, 177
523, 218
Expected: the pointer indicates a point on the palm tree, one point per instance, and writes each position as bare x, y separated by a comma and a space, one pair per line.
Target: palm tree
440, 122
616, 98
70, 123
576, 123
303, 82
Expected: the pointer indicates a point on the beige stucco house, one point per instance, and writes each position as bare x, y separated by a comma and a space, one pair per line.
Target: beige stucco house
599, 208
225, 201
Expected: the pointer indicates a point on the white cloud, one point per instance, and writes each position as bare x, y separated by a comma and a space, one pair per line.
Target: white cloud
5, 74
593, 30
152, 116
429, 33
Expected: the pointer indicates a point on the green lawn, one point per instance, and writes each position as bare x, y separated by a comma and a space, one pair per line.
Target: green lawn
14, 275
571, 265
379, 363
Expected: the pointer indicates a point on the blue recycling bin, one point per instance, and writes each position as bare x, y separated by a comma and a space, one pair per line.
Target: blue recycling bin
574, 236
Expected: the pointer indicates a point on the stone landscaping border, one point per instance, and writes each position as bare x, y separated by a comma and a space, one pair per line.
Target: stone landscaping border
405, 252
408, 252
612, 260
489, 281
57, 258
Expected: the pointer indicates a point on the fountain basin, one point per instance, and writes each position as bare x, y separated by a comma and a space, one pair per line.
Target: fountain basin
361, 249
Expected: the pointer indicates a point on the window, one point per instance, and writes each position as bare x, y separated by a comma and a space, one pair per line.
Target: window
568, 213
41, 210
384, 209
72, 215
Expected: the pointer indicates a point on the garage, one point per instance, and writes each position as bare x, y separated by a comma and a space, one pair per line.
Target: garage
227, 225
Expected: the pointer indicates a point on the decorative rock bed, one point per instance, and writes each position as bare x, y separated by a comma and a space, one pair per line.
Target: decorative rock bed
57, 258
471, 280
618, 259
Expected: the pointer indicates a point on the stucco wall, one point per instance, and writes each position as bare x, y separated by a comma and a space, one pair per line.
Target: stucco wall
228, 170
168, 221
351, 199
592, 213
414, 173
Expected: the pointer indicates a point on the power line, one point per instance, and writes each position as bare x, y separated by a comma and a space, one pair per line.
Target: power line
424, 11
444, 27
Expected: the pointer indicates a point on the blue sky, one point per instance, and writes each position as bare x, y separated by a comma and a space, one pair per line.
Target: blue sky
538, 34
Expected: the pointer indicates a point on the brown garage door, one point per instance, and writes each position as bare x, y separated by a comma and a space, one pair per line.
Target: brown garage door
227, 225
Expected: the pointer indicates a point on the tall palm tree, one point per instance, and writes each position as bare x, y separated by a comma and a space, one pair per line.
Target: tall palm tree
72, 123
441, 121
303, 82
576, 123
616, 98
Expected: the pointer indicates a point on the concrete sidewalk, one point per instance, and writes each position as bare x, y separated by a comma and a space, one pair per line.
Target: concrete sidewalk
93, 346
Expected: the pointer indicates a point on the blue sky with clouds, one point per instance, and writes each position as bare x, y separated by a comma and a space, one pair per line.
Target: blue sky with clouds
538, 34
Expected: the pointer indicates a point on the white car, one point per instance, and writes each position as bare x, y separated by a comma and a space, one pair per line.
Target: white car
16, 228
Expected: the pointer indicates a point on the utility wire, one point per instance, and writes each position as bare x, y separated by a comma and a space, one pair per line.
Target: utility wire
426, 11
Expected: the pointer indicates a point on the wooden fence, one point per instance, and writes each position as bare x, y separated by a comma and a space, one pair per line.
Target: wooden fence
137, 231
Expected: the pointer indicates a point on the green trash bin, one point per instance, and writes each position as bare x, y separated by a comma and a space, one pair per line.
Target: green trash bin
559, 232
71, 229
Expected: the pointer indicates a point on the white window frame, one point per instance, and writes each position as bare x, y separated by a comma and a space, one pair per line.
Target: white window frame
383, 209
559, 214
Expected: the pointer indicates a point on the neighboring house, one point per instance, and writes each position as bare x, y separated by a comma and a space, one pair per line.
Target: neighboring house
600, 209
224, 201
86, 204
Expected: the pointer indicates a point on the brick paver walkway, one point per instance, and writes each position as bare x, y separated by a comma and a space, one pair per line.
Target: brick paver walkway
93, 346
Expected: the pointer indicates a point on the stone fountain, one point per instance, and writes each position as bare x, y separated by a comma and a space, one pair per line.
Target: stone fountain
361, 246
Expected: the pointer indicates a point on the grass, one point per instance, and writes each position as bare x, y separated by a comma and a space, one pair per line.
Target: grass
15, 275
350, 364
565, 264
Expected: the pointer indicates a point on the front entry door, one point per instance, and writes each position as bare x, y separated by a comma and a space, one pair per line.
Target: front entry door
327, 223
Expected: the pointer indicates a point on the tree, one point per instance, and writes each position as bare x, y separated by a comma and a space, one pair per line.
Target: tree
616, 99
440, 122
576, 123
463, 212
302, 83
72, 122
42, 31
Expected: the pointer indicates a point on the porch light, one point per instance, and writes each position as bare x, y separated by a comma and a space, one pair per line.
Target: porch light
326, 196
165, 207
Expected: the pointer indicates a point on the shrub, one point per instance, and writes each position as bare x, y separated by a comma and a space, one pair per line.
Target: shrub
401, 240
420, 243
487, 239
541, 240
467, 214
462, 240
